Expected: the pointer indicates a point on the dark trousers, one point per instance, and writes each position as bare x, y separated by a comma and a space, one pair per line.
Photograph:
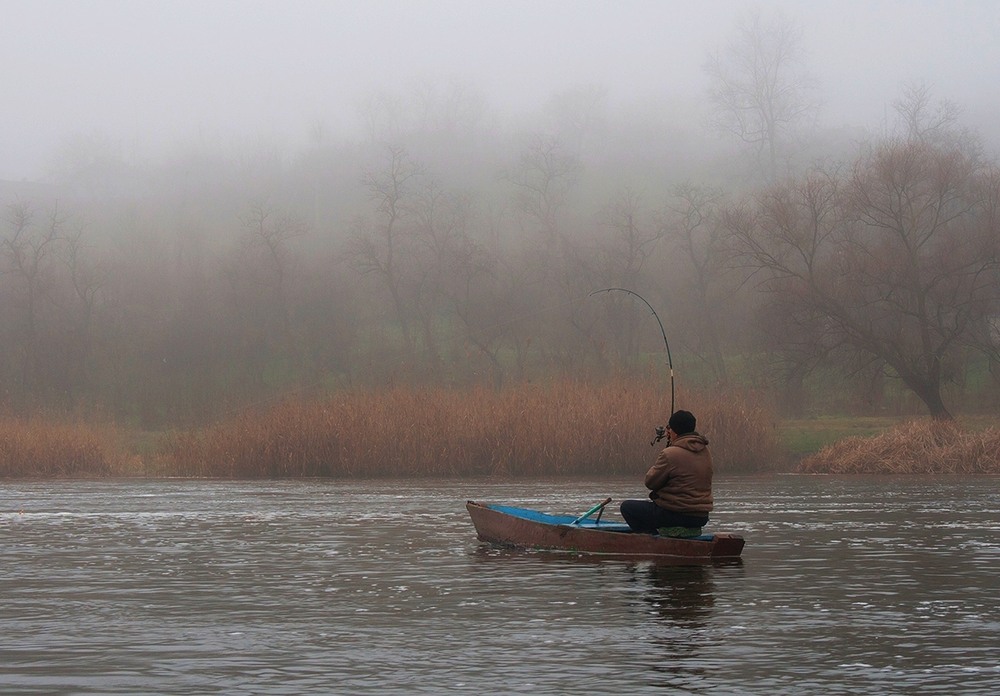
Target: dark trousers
646, 516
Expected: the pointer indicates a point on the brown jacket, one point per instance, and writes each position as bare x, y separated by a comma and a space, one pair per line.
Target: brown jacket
681, 478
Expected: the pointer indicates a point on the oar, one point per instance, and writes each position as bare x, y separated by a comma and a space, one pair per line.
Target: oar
591, 511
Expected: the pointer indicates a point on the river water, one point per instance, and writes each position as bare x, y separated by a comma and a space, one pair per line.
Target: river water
846, 586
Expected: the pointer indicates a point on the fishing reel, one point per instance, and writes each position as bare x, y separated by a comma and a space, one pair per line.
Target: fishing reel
661, 432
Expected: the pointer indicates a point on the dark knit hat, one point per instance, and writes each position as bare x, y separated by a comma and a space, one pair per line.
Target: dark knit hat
682, 422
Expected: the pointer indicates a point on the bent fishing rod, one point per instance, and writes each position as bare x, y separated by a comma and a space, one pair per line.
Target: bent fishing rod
661, 431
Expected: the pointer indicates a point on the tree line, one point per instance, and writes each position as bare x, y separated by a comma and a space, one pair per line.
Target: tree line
443, 248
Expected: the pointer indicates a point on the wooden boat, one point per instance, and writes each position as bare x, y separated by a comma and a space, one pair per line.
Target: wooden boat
504, 525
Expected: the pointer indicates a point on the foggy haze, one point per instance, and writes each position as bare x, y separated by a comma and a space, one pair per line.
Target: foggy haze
149, 75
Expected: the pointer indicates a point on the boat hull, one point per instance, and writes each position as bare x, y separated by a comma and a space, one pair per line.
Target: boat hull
522, 528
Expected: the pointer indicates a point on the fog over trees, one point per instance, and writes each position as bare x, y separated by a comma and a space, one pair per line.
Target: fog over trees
443, 239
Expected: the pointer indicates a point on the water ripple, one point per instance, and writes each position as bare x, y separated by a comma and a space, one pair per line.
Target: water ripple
846, 586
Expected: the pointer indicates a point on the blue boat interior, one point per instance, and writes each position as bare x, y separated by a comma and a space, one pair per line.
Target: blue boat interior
589, 523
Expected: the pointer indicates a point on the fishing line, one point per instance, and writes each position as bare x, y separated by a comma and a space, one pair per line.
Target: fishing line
670, 362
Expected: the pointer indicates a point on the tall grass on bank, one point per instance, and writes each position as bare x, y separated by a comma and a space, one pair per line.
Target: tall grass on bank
41, 448
915, 447
563, 428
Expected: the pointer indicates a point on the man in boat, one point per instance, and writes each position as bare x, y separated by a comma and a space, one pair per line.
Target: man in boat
679, 483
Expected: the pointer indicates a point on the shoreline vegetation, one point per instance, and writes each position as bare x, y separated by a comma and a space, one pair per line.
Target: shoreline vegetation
563, 428
913, 447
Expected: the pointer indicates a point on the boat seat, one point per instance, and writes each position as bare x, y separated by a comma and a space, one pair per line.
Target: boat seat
680, 532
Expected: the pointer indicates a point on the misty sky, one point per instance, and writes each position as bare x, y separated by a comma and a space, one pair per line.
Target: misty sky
150, 73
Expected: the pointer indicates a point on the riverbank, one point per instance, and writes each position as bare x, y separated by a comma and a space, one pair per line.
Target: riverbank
564, 428
914, 447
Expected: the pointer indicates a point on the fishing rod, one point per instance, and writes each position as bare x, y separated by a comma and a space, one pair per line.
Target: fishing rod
661, 431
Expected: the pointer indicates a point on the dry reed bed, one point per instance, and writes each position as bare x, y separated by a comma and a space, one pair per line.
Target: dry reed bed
565, 428
916, 447
38, 447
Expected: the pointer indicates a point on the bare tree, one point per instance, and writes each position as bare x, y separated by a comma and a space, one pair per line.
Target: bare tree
440, 123
259, 275
265, 262
920, 118
86, 279
378, 247
448, 113
441, 242
578, 115
896, 260
699, 235
630, 236
542, 179
547, 261
480, 305
382, 114
29, 253
759, 89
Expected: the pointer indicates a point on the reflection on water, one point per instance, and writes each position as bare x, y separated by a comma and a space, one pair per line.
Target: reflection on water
682, 598
846, 586
680, 595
